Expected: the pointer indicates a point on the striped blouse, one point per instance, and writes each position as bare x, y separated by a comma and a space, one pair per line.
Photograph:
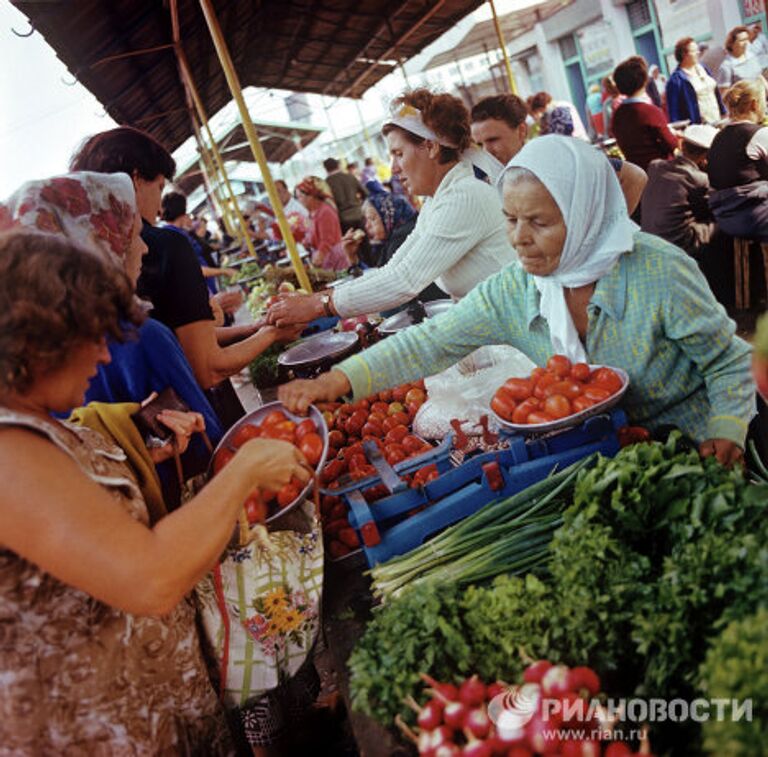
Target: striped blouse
458, 241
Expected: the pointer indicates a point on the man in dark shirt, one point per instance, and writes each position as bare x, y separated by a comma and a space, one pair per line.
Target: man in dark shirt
675, 202
171, 277
348, 194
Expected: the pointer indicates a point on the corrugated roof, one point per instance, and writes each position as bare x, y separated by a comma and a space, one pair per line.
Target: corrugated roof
280, 142
482, 36
332, 47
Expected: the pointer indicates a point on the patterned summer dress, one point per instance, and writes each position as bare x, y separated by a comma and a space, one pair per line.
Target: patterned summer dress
78, 677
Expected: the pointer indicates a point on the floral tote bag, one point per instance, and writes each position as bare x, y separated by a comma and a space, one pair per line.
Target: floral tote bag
260, 609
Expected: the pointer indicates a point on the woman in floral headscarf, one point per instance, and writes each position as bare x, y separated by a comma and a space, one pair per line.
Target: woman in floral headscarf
98, 211
324, 235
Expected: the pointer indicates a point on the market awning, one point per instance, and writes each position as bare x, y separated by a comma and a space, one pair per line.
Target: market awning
122, 50
280, 142
482, 36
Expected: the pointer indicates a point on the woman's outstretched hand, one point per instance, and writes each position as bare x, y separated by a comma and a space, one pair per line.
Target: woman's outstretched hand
298, 395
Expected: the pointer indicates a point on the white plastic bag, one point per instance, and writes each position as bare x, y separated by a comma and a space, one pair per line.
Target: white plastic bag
464, 391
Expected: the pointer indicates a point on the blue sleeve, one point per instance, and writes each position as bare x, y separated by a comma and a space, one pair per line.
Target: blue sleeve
675, 107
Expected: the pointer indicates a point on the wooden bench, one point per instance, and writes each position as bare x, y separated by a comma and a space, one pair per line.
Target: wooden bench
741, 248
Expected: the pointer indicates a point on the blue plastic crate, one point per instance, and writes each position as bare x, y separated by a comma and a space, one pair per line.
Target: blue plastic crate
461, 491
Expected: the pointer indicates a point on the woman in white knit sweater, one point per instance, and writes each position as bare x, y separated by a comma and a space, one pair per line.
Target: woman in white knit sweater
459, 237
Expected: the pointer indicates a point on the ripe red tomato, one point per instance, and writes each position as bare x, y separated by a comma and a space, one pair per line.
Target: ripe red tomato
399, 392
287, 494
539, 416
560, 365
256, 509
400, 418
519, 388
346, 410
311, 446
396, 434
283, 431
412, 444
372, 429
567, 387
353, 449
557, 406
223, 456
596, 393
307, 426
526, 407
415, 395
606, 378
275, 416
244, 433
354, 462
394, 453
380, 407
337, 438
581, 403
362, 405
537, 373
503, 404
354, 425
385, 395
580, 371
545, 381
332, 471
413, 408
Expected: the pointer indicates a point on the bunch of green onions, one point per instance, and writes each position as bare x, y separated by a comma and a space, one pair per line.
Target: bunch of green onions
509, 536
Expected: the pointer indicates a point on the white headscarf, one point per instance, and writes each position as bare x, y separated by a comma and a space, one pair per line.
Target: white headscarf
409, 118
585, 188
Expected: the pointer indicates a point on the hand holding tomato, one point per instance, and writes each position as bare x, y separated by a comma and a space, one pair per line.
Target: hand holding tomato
270, 463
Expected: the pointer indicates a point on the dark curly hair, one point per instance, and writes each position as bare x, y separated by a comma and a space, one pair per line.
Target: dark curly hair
54, 296
444, 114
508, 108
124, 150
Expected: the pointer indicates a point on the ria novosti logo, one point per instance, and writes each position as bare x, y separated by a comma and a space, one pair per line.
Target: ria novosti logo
513, 709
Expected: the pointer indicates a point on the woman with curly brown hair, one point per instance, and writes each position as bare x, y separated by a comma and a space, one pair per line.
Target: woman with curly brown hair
99, 652
458, 239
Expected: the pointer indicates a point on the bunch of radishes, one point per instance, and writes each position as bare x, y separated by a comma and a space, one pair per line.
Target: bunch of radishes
465, 721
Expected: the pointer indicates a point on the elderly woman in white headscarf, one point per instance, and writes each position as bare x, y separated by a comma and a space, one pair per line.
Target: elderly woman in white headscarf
590, 286
458, 239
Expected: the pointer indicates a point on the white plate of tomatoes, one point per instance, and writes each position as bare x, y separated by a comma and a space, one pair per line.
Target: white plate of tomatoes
558, 396
273, 421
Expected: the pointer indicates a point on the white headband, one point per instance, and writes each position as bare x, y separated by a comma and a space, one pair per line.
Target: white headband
409, 118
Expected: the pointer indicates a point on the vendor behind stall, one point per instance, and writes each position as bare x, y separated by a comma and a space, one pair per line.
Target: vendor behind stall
588, 285
459, 237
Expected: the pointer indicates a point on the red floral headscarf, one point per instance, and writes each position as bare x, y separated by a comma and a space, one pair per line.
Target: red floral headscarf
96, 210
316, 187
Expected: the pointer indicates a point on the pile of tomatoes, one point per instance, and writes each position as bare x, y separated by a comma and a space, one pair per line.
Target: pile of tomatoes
557, 391
385, 419
262, 503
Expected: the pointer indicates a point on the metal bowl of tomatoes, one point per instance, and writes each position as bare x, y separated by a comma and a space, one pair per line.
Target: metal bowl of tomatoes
559, 396
273, 421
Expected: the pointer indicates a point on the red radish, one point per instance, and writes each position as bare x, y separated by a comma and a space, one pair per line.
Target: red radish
542, 736
424, 744
617, 749
585, 748
574, 708
442, 735
519, 751
447, 691
475, 748
478, 722
584, 678
454, 714
472, 692
494, 689
430, 716
535, 672
555, 681
448, 750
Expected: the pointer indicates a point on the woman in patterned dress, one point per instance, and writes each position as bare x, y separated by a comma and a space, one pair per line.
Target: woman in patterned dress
98, 648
